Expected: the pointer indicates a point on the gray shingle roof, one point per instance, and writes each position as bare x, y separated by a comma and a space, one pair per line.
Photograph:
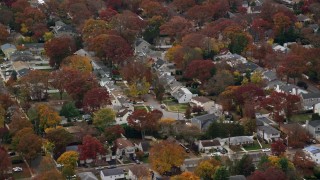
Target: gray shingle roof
145, 146
314, 123
87, 176
310, 95
112, 172
268, 129
204, 120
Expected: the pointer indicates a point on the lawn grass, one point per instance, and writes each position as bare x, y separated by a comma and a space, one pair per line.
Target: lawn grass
142, 107
300, 118
254, 146
178, 107
21, 175
145, 159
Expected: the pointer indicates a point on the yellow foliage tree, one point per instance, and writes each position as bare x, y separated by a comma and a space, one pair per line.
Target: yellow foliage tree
207, 168
256, 78
69, 158
186, 175
48, 35
2, 115
24, 28
164, 155
170, 55
47, 116
80, 63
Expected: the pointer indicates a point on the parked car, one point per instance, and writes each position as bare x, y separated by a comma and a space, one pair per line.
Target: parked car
17, 169
11, 153
266, 150
99, 168
137, 161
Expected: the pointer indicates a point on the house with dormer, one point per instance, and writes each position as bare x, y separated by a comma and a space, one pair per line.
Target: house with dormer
124, 147
202, 101
313, 127
182, 95
203, 122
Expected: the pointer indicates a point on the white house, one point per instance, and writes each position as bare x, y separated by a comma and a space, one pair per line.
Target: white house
138, 172
317, 108
182, 95
313, 152
207, 145
190, 164
202, 101
124, 147
268, 133
313, 127
237, 140
289, 89
112, 174
310, 100
122, 116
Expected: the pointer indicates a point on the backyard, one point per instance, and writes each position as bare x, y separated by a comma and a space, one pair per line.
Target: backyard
174, 106
146, 108
254, 146
300, 118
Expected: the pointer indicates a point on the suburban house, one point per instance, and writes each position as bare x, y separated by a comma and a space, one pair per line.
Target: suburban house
182, 95
112, 174
289, 89
22, 56
310, 100
313, 152
142, 47
202, 101
144, 146
237, 140
269, 75
303, 18
232, 60
61, 29
190, 164
122, 116
87, 176
263, 120
35, 48
206, 145
317, 108
8, 49
268, 133
138, 172
204, 121
313, 127
22, 68
124, 147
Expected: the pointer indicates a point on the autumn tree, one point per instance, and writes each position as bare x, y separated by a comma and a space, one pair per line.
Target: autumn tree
244, 166
5, 162
78, 62
103, 118
52, 174
218, 83
201, 13
207, 168
297, 135
18, 122
29, 145
270, 173
69, 161
96, 98
107, 14
113, 132
30, 17
186, 175
282, 105
176, 27
200, 69
153, 8
60, 138
35, 84
303, 163
4, 34
93, 28
182, 56
58, 81
278, 148
222, 173
90, 148
69, 110
145, 121
47, 116
165, 155
183, 5
292, 66
59, 48
111, 48
281, 23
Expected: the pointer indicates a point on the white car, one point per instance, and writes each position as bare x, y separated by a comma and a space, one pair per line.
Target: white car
216, 154
17, 169
266, 150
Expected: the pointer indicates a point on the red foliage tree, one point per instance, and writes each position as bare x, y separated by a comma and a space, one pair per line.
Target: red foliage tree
303, 163
282, 105
135, 71
90, 148
177, 27
200, 69
183, 5
194, 40
59, 48
113, 132
292, 66
201, 13
278, 148
153, 8
5, 162
95, 98
270, 174
143, 121
260, 26
107, 14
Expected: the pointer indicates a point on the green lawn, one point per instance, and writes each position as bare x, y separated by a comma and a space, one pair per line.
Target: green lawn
178, 107
254, 146
142, 107
300, 118
56, 96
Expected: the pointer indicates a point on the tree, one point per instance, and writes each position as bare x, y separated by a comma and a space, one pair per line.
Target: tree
145, 121
29, 146
136, 71
183, 5
222, 173
96, 98
250, 126
81, 63
176, 27
186, 175
292, 66
52, 174
113, 132
93, 28
218, 83
112, 48
5, 162
60, 138
35, 83
201, 13
90, 148
245, 166
18, 122
103, 118
207, 168
47, 116
59, 48
69, 159
269, 174
30, 17
107, 14
58, 80
297, 135
165, 155
217, 129
153, 8
281, 23
69, 110
4, 34
282, 105
278, 148
200, 69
